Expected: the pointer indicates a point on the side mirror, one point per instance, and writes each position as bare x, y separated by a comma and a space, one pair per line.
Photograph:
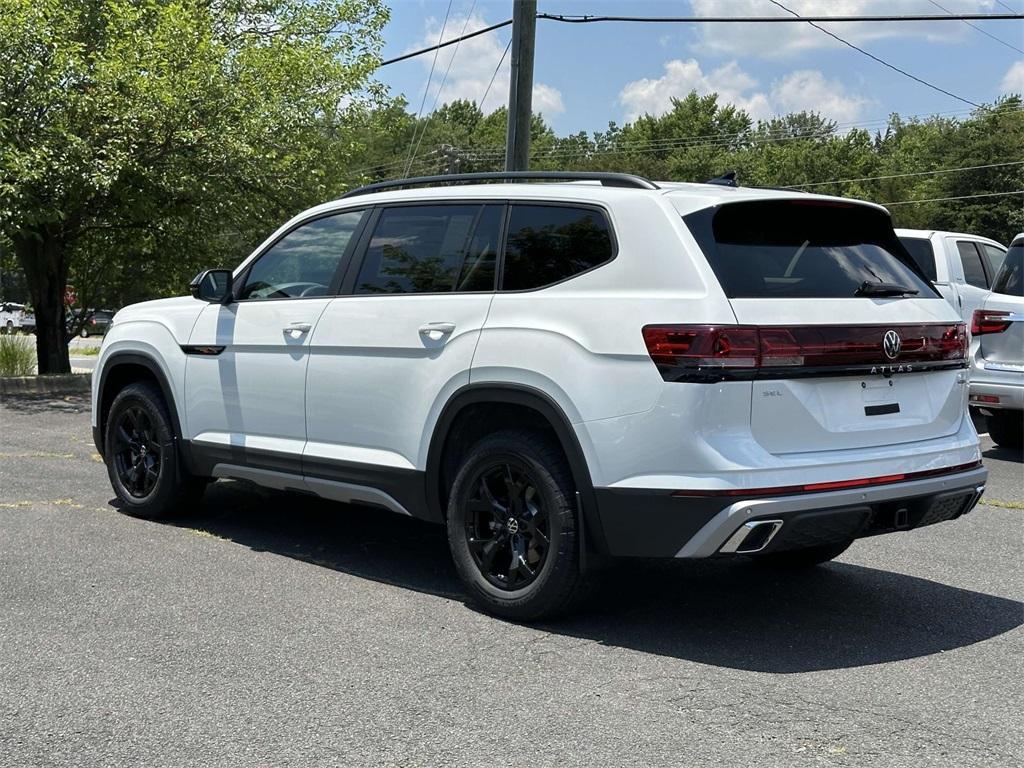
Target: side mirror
213, 286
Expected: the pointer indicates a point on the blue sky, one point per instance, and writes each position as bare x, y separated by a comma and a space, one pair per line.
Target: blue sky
586, 75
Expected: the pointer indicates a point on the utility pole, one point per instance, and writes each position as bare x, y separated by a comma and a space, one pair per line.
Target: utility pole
520, 90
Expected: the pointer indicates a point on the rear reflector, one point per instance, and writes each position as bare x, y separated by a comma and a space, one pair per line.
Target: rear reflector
786, 490
717, 352
984, 399
989, 321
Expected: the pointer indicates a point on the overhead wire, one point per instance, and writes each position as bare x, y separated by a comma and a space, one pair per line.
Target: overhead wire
448, 69
957, 197
430, 75
985, 32
872, 56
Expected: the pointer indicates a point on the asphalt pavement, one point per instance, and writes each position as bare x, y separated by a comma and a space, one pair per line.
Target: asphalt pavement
275, 630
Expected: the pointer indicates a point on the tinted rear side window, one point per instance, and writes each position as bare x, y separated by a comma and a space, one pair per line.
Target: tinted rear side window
1010, 278
922, 253
974, 272
548, 243
432, 249
803, 249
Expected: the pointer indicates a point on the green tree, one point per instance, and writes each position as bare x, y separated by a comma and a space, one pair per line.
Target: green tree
142, 138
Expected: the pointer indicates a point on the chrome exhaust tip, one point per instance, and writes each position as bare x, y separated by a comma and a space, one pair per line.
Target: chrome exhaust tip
752, 536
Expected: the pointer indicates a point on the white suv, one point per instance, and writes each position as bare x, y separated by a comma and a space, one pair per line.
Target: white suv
598, 366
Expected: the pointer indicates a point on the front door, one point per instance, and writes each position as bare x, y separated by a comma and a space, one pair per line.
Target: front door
246, 361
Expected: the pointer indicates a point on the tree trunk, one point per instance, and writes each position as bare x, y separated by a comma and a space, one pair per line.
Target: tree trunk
42, 256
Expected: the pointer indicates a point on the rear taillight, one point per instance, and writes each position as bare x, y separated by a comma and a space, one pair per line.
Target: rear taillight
989, 321
702, 346
712, 353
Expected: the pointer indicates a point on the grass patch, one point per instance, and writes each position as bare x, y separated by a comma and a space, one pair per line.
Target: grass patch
17, 356
85, 351
985, 501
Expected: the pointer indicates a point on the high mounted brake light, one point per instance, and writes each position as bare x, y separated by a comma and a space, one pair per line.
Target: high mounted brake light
708, 353
989, 321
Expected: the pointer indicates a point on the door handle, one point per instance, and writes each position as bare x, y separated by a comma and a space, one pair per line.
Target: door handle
436, 331
297, 328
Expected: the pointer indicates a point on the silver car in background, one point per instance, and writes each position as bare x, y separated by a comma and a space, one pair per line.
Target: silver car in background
997, 351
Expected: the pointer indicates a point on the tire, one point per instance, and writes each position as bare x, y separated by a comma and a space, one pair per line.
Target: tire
10, 327
1006, 428
802, 558
141, 456
84, 333
492, 522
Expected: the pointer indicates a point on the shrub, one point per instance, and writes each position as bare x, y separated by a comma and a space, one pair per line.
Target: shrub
17, 356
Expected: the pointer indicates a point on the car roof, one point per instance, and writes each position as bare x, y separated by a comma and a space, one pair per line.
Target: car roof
683, 195
928, 233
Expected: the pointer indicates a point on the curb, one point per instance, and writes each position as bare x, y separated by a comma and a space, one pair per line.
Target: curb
61, 384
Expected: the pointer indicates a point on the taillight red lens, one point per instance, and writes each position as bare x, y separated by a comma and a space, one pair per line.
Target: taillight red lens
702, 345
697, 352
989, 321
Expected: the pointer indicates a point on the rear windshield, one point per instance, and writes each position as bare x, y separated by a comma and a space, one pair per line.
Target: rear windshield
803, 249
921, 252
1009, 279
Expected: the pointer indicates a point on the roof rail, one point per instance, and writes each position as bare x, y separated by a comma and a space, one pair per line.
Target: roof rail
607, 179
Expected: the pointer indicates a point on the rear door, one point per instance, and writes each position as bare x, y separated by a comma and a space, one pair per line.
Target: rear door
388, 353
972, 271
847, 360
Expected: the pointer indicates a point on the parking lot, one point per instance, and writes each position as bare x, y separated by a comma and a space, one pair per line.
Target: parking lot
269, 629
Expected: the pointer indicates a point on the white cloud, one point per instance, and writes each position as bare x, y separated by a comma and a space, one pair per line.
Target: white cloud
780, 40
1013, 80
473, 63
810, 90
655, 96
805, 89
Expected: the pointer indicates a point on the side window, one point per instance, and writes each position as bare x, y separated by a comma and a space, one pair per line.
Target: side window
921, 252
993, 258
304, 262
432, 249
974, 272
548, 243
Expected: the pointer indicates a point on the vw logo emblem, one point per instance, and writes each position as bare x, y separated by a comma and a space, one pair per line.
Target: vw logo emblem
891, 344
513, 525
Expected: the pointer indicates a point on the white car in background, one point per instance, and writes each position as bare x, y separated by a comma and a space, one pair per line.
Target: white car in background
997, 351
16, 317
962, 267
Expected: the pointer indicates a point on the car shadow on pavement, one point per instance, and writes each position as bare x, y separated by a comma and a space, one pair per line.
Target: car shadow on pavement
725, 613
1004, 454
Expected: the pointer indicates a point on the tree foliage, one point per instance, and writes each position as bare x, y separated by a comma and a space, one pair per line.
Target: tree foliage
140, 139
700, 138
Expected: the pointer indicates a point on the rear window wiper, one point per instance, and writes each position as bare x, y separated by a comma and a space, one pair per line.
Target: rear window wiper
884, 289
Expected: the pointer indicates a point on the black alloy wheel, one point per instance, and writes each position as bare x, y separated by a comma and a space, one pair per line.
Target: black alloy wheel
507, 525
137, 452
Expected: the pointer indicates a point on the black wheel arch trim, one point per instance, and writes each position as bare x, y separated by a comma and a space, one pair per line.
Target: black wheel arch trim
150, 364
592, 533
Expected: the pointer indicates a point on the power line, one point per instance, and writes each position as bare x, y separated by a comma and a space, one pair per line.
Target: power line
876, 58
446, 43
958, 197
986, 33
430, 75
587, 19
487, 90
905, 175
712, 20
448, 69
749, 138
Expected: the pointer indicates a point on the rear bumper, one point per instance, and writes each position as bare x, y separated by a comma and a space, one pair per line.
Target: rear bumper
1010, 395
649, 523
